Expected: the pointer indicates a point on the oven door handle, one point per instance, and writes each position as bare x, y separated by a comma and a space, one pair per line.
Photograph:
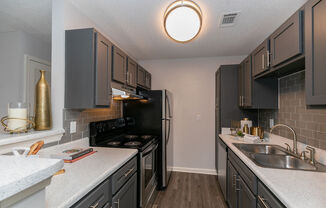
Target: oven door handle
147, 152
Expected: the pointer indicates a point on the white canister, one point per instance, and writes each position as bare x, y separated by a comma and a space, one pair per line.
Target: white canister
245, 121
17, 114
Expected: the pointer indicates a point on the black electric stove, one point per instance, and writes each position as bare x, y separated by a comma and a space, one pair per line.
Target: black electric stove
119, 133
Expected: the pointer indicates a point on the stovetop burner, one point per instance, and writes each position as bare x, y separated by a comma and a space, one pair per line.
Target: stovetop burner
131, 136
146, 137
114, 143
134, 143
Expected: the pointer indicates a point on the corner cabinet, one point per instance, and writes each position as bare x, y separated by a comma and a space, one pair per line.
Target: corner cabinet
87, 70
315, 44
144, 78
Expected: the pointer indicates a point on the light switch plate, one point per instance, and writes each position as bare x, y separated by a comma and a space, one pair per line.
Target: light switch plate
73, 126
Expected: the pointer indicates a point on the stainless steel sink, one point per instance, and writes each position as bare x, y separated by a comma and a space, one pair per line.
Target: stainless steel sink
275, 156
282, 162
261, 148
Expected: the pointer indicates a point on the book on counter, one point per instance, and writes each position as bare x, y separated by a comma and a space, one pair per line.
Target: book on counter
73, 154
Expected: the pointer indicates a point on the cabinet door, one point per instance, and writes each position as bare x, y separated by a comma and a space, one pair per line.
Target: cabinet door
260, 58
232, 193
287, 40
119, 65
103, 71
141, 76
132, 73
315, 44
241, 84
127, 196
246, 198
148, 80
247, 85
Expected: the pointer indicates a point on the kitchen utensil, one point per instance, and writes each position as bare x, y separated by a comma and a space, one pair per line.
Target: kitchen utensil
36, 147
62, 171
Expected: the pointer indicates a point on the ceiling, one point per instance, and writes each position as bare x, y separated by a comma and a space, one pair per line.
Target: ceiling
137, 26
30, 16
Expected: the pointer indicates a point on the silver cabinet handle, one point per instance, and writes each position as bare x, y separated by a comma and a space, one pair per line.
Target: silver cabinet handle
240, 100
236, 188
95, 205
234, 180
263, 61
118, 203
263, 201
128, 172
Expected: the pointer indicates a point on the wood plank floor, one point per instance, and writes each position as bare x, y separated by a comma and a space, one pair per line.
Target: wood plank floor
189, 190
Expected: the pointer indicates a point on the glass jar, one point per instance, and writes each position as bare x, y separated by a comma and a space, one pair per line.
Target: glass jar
18, 113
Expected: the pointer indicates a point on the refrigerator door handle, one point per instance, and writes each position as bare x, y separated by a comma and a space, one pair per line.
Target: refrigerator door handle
169, 131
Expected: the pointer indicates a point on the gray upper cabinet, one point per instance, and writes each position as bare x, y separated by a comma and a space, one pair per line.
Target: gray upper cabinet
261, 58
141, 76
247, 100
315, 44
88, 69
119, 65
131, 73
148, 80
287, 40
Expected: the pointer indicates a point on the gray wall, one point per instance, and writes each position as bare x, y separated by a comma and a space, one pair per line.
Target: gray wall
308, 122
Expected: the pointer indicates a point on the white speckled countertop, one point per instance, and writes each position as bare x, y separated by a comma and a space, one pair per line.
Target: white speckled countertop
293, 188
20, 173
83, 175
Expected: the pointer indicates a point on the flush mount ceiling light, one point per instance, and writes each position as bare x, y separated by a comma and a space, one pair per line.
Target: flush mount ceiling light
182, 21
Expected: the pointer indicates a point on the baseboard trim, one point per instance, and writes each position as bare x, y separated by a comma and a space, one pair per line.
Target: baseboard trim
195, 170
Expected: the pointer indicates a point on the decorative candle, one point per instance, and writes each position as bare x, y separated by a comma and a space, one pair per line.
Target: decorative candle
20, 112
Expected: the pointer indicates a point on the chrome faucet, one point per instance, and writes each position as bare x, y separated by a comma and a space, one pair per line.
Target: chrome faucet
295, 148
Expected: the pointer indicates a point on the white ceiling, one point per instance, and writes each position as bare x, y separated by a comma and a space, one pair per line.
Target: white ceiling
31, 16
137, 26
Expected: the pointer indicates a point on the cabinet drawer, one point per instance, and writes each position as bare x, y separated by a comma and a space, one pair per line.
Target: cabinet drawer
287, 40
266, 198
249, 177
123, 174
98, 197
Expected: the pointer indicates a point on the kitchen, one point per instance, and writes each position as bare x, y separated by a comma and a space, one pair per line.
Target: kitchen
161, 116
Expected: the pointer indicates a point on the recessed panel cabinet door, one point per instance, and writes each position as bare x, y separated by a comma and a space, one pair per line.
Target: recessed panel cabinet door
232, 192
141, 76
261, 58
287, 40
131, 73
148, 80
315, 44
127, 195
103, 71
241, 84
247, 101
246, 198
119, 66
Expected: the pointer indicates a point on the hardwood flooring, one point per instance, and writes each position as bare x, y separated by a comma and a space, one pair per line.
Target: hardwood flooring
189, 190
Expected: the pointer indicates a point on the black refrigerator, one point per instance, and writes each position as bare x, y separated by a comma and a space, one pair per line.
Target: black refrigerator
155, 116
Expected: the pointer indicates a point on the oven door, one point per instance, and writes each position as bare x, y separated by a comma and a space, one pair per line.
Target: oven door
148, 173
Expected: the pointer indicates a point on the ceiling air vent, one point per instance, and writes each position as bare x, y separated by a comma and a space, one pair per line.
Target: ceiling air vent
228, 19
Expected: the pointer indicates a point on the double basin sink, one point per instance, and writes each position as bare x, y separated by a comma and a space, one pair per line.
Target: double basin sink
274, 156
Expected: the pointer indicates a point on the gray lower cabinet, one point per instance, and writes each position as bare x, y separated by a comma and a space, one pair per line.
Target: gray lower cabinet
119, 65
261, 58
315, 47
131, 73
101, 196
126, 197
246, 198
232, 196
87, 70
266, 199
287, 40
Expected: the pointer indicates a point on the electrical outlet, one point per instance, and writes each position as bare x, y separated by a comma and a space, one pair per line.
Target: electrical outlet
271, 123
73, 126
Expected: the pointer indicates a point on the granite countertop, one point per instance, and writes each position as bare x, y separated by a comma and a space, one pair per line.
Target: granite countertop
20, 173
83, 175
294, 188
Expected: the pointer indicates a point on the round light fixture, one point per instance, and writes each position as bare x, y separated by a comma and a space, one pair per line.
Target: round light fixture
182, 20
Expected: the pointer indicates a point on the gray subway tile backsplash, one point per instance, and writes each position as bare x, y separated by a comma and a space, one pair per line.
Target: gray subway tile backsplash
84, 117
309, 122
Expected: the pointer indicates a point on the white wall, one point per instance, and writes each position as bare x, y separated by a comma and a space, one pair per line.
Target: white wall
192, 82
14, 45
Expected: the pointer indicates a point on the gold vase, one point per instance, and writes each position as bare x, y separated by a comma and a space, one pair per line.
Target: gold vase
43, 117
